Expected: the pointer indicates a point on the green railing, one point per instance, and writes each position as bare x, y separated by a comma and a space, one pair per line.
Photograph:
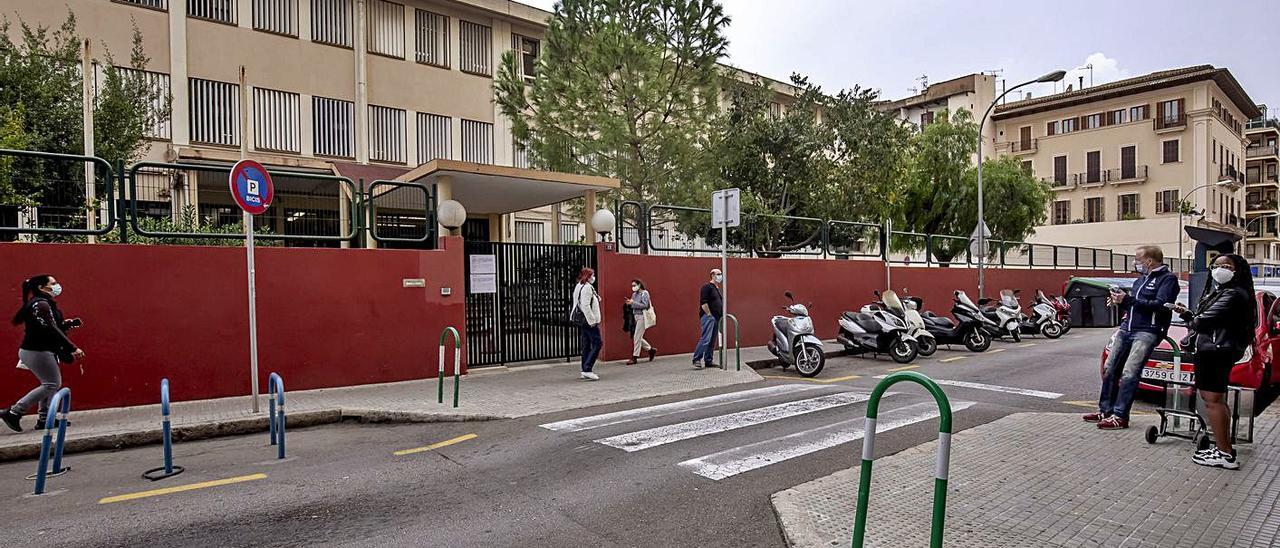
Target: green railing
457, 365
737, 341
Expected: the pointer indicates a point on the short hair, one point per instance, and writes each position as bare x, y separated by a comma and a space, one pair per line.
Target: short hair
1152, 251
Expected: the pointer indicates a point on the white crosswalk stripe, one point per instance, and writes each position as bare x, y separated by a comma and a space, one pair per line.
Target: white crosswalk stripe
996, 388
653, 437
731, 462
629, 415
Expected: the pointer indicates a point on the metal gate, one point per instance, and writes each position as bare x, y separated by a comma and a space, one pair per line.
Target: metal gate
521, 311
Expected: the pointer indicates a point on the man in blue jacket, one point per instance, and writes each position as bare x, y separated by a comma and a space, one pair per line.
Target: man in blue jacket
1145, 323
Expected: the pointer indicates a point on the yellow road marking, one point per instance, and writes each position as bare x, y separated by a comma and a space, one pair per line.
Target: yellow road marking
824, 381
955, 359
181, 488
995, 351
438, 445
904, 368
1028, 345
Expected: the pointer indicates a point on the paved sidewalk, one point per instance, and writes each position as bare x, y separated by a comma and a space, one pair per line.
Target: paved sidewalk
1051, 480
487, 393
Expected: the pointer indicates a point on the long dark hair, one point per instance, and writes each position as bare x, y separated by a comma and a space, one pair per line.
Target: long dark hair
30, 288
1243, 279
639, 282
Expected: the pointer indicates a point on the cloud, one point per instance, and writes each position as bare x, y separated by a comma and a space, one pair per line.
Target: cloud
1105, 69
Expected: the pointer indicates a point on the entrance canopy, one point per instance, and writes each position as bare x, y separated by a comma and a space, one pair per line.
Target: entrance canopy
490, 189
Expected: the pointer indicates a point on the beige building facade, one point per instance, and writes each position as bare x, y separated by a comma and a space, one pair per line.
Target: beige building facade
1124, 158
973, 93
1262, 157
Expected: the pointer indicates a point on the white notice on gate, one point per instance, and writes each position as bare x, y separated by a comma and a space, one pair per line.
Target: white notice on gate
484, 274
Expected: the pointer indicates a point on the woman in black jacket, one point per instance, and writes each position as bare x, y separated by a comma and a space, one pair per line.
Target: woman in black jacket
1223, 325
44, 344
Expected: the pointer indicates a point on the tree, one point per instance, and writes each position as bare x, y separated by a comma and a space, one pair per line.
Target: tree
623, 88
942, 188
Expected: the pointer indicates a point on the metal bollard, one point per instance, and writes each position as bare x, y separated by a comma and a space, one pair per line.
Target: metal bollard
168, 470
59, 407
943, 463
737, 342
457, 365
275, 412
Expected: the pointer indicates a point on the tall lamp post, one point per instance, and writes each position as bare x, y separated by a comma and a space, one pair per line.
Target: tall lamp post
1240, 244
981, 231
1224, 182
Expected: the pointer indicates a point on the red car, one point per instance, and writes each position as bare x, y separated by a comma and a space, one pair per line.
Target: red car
1254, 370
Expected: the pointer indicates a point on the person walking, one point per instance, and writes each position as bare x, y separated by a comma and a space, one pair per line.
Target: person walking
642, 311
710, 309
586, 315
1222, 326
1145, 324
43, 345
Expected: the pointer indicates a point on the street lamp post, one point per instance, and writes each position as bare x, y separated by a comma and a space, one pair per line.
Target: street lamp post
1240, 244
1054, 76
1221, 183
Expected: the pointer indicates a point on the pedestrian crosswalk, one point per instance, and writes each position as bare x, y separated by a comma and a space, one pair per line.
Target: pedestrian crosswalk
743, 416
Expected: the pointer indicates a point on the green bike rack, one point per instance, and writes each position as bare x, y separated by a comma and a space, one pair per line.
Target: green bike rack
737, 342
868, 455
457, 365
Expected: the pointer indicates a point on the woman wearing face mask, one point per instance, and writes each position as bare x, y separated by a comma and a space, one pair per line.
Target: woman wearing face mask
586, 315
45, 341
641, 309
1223, 325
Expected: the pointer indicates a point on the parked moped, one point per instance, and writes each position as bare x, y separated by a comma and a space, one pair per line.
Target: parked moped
793, 340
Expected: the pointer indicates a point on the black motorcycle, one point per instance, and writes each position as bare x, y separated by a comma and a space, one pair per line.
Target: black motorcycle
969, 329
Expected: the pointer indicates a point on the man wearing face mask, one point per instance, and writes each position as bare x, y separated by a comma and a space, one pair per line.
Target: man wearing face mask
1145, 323
710, 309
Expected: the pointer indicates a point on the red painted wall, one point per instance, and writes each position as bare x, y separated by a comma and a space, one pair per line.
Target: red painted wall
326, 317
756, 289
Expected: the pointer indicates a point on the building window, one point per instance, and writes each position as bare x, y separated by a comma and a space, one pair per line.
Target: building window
1069, 125
1137, 113
1027, 167
1129, 162
432, 39
520, 155
1170, 112
386, 134
1093, 121
221, 11
158, 126
1060, 170
386, 28
333, 123
278, 16
1251, 250
1129, 207
926, 118
433, 137
1093, 166
526, 50
476, 43
1116, 117
1062, 212
1093, 212
477, 142
153, 4
570, 232
1051, 128
530, 232
275, 120
215, 112
1170, 151
1167, 201
331, 22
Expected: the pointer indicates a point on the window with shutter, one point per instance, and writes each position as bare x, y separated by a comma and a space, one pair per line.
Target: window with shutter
1051, 128
219, 11
433, 137
153, 4
1093, 166
1170, 151
386, 28
1060, 170
1128, 162
215, 112
386, 134
431, 38
477, 142
1062, 212
333, 123
331, 22
476, 48
276, 16
275, 120
1024, 137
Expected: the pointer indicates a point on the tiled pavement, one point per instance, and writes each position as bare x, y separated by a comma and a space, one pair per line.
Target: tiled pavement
1051, 480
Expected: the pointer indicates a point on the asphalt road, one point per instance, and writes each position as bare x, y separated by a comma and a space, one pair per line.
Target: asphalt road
667, 473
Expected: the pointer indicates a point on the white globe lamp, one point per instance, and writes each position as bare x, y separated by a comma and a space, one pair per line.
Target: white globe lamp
603, 223
452, 215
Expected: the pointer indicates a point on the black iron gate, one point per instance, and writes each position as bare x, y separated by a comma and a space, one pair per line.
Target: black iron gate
521, 311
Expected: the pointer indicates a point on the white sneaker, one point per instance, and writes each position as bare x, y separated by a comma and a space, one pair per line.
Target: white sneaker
590, 376
1216, 458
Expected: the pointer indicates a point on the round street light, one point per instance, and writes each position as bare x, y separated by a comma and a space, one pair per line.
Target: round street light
452, 215
603, 222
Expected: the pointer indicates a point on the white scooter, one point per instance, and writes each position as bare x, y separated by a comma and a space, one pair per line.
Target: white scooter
1007, 314
882, 331
793, 340
1043, 319
910, 313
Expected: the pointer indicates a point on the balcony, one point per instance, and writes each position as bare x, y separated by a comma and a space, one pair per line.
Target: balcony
1169, 123
1028, 146
1057, 184
1255, 152
1125, 175
1263, 205
1262, 124
1089, 179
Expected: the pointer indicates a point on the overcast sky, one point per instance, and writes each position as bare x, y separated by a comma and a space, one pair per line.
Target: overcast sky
889, 44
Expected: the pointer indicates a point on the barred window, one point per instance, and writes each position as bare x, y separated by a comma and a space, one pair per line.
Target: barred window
275, 120
386, 28
333, 121
570, 232
158, 122
215, 112
331, 22
222, 11
530, 232
386, 134
432, 38
476, 43
433, 137
519, 155
526, 52
153, 4
477, 142
278, 16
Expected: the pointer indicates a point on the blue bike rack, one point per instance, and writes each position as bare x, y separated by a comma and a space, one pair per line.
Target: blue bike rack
275, 412
168, 470
59, 407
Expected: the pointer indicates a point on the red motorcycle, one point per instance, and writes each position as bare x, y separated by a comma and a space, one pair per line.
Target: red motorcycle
1061, 308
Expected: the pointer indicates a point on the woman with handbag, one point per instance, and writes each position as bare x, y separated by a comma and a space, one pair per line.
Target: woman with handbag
586, 315
642, 309
1222, 327
43, 346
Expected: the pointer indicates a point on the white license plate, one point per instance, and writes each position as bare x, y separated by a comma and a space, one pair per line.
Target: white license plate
1166, 373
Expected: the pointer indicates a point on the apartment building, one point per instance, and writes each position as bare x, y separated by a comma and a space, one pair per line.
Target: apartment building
1122, 157
973, 93
367, 89
1262, 244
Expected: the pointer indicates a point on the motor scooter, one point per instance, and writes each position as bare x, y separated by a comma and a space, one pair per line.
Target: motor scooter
1007, 314
1061, 309
969, 328
1042, 319
879, 331
916, 326
793, 341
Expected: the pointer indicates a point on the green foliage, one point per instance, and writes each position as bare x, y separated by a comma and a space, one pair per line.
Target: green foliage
189, 222
127, 106
625, 89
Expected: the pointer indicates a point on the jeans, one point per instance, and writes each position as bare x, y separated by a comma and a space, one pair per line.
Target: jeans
706, 348
591, 343
1129, 354
44, 365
